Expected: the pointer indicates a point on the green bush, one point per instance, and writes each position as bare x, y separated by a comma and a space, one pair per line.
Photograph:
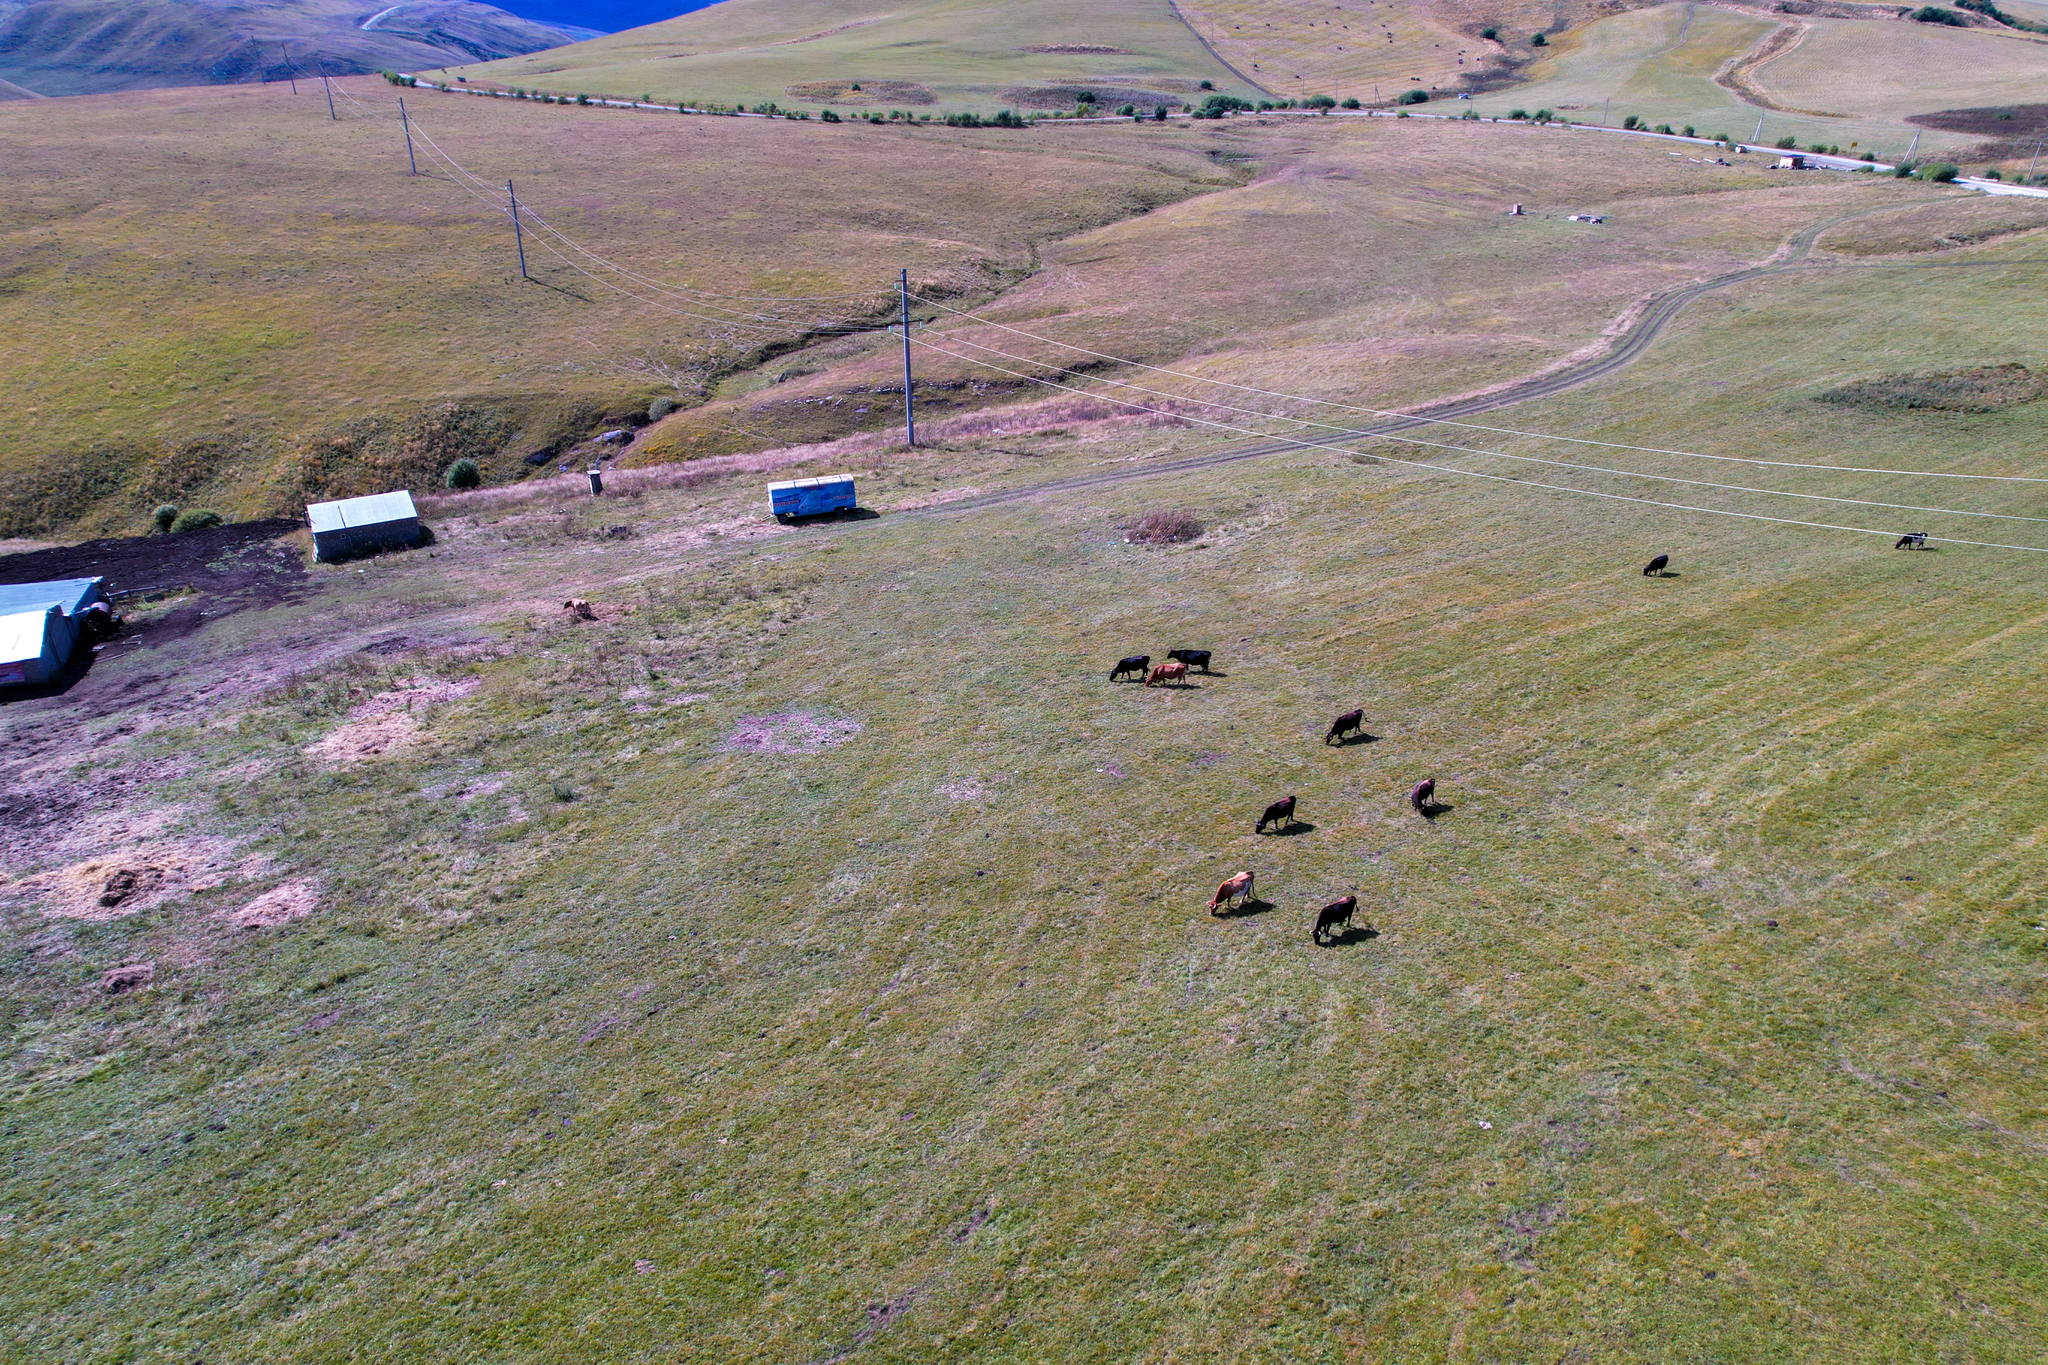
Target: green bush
1934, 14
1993, 174
1631, 123
1319, 102
829, 117
198, 519
1786, 144
1216, 106
163, 517
1208, 85
1543, 116
1940, 174
1903, 169
463, 474
1490, 34
1664, 128
1351, 103
1518, 114
1129, 110
1539, 41
660, 408
1159, 113
1413, 97
1689, 131
1084, 97
583, 99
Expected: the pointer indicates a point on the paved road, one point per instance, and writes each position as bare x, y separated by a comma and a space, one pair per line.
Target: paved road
1626, 348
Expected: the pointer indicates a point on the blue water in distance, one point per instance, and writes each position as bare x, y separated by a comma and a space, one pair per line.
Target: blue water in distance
607, 16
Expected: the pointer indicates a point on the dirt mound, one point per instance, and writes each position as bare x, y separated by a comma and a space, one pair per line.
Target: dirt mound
862, 92
385, 723
789, 732
279, 905
1986, 388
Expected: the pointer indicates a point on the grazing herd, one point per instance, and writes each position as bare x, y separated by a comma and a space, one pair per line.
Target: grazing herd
1280, 814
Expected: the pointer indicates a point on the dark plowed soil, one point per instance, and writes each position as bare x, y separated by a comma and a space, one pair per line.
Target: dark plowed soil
2006, 121
231, 568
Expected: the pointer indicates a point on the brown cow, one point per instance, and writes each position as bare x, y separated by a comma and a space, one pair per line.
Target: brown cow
1351, 722
1279, 815
1238, 888
1173, 672
1424, 793
1331, 916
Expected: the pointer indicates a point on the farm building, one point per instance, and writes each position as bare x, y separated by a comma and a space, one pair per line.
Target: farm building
361, 526
42, 623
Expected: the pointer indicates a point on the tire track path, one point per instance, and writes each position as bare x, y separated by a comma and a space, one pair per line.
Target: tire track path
1627, 348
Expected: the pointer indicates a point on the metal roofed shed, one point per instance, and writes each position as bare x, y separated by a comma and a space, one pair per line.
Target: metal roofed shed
35, 646
363, 526
811, 497
69, 595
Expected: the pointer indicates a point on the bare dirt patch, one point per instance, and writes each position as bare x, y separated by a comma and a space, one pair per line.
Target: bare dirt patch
386, 723
862, 92
113, 886
1077, 50
1997, 120
280, 905
1107, 97
789, 732
1164, 526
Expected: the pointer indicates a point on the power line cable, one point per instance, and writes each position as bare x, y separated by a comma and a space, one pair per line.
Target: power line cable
1470, 473
1362, 435
1446, 421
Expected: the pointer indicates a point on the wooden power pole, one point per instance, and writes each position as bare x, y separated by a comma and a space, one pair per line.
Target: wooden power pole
517, 235
909, 411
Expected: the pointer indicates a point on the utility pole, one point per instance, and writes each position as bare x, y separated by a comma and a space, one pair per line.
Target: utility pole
330, 93
2037, 156
517, 235
288, 72
406, 123
1603, 111
1758, 134
1908, 157
909, 413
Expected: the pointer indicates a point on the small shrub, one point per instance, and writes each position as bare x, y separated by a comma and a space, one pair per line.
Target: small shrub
855, 85
1539, 41
1631, 123
563, 791
1264, 105
660, 408
1159, 113
1319, 102
1903, 169
1084, 97
163, 517
198, 519
1993, 174
828, 117
1870, 156
1164, 527
1128, 110
1724, 139
1689, 131
1490, 34
583, 99
1208, 85
463, 474
1351, 103
1786, 144
1518, 114
1664, 128
1413, 97
1940, 175
1544, 116
1934, 14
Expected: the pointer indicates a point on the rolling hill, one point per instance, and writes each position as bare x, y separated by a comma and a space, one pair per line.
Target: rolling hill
79, 47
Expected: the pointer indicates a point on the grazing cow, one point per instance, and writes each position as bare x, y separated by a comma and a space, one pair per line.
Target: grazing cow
1656, 565
1131, 663
1173, 672
1238, 889
579, 610
1912, 539
1333, 915
1424, 793
1279, 815
1350, 723
1193, 658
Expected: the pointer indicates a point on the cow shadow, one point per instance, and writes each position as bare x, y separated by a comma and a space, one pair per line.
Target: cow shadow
1347, 937
1176, 686
1244, 909
1346, 741
1666, 573
1432, 809
1290, 829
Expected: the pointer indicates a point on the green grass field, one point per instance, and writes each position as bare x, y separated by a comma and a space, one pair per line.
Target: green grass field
931, 56
1847, 82
613, 1037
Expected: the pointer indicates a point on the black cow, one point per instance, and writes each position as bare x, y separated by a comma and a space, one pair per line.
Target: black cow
1333, 915
1134, 663
1656, 565
1193, 658
1279, 815
1351, 722
1422, 795
1912, 539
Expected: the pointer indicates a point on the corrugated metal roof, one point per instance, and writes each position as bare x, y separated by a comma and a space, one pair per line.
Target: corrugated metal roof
811, 483
22, 635
378, 509
68, 595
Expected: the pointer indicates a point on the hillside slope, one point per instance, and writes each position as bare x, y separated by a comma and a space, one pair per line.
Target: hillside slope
928, 54
79, 47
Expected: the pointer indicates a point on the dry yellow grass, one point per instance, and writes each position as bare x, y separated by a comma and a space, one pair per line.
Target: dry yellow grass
1867, 70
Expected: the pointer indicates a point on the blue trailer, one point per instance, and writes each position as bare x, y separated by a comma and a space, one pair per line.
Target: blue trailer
811, 497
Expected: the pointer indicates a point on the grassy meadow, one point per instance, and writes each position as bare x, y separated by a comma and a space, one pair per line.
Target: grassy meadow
933, 56
806, 959
279, 310
1844, 82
